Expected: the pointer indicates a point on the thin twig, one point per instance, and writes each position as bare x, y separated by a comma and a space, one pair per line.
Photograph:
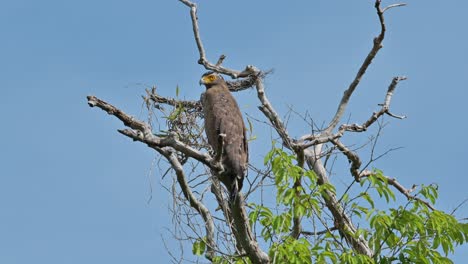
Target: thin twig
375, 116
392, 6
201, 50
318, 233
194, 202
220, 60
458, 207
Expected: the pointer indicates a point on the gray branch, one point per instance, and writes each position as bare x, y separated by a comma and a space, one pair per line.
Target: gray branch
343, 221
384, 110
392, 6
377, 45
201, 50
158, 99
141, 131
244, 234
353, 159
194, 202
268, 110
312, 158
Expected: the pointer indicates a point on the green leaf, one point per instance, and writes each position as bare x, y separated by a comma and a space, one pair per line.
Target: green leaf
288, 196
269, 155
250, 125
253, 216
299, 210
199, 247
345, 198
367, 197
175, 114
177, 91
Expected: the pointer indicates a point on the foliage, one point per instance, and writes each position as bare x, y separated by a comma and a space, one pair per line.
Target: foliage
409, 233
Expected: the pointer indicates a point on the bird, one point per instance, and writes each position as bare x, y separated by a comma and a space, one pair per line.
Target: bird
223, 118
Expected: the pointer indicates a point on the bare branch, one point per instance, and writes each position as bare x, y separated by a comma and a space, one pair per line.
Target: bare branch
201, 50
216, 189
141, 131
362, 70
234, 86
244, 233
353, 158
396, 116
320, 139
325, 137
342, 220
244, 83
193, 15
220, 60
458, 207
157, 99
392, 6
391, 89
270, 113
129, 121
194, 202
384, 110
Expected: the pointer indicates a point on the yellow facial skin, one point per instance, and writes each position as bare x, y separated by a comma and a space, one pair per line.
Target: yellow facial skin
209, 78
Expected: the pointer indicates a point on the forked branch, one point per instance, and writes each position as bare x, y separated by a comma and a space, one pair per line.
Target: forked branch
157, 99
201, 50
194, 202
377, 45
384, 110
141, 131
166, 146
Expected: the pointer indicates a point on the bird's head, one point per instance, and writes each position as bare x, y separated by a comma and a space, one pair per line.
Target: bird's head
211, 78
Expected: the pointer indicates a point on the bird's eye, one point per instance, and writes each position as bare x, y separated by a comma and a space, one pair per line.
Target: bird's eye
211, 78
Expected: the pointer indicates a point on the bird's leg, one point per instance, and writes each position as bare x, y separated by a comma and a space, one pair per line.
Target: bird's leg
216, 161
219, 151
234, 192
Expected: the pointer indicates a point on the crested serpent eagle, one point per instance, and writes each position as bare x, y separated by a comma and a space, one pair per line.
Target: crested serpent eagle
222, 116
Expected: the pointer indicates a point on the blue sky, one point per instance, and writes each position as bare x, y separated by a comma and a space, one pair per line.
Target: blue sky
73, 190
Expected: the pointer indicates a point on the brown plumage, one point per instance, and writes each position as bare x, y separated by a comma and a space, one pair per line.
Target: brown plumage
222, 116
